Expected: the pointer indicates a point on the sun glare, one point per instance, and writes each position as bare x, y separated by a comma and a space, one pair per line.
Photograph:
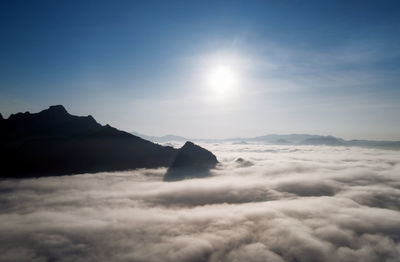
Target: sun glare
221, 80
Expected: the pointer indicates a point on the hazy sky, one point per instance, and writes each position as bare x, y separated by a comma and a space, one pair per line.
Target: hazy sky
206, 69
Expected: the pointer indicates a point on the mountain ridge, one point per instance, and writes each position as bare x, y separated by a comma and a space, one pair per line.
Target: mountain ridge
286, 139
53, 142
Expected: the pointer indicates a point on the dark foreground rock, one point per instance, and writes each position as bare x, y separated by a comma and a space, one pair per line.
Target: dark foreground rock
54, 142
192, 161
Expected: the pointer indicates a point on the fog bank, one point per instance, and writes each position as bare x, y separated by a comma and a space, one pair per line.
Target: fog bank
279, 203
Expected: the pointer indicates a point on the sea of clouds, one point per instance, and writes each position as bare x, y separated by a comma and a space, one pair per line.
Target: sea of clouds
277, 203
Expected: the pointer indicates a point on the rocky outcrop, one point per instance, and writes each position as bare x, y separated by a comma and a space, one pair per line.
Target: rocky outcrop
191, 161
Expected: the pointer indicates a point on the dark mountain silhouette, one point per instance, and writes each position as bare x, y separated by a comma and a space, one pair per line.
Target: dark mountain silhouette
53, 142
53, 122
191, 161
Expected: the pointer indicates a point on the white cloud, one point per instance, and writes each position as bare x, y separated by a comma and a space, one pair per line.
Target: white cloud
292, 204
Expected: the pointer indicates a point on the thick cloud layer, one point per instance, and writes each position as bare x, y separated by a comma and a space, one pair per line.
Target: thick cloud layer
277, 203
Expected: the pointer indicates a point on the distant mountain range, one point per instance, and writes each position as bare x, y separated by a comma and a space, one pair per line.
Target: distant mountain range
275, 139
54, 142
161, 139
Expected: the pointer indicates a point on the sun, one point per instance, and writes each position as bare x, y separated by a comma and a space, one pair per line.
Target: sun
221, 79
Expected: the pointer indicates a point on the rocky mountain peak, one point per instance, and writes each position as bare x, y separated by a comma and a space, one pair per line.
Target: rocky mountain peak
191, 161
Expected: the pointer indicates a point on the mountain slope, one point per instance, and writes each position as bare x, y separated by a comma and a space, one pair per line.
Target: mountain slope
191, 161
53, 142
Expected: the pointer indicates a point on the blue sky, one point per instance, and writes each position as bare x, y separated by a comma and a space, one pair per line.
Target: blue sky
321, 67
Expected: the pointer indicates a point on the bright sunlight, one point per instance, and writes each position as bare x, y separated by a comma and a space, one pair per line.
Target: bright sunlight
221, 80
